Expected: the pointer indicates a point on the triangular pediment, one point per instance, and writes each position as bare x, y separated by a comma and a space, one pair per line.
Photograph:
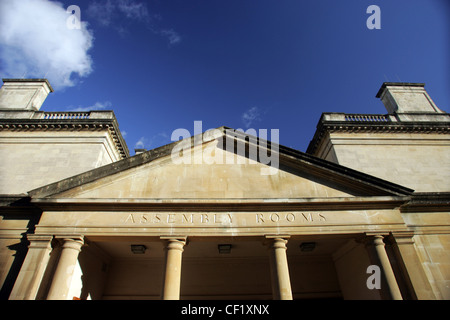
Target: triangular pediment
210, 170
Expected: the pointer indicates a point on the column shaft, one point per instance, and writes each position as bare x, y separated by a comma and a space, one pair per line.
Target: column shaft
279, 269
64, 270
386, 267
172, 269
33, 268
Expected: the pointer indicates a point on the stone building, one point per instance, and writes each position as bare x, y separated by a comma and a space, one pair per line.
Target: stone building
363, 214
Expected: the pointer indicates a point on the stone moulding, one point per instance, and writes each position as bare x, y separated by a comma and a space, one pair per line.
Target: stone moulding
222, 205
364, 183
353, 123
68, 122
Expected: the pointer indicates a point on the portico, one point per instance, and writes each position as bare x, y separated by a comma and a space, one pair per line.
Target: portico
310, 230
270, 267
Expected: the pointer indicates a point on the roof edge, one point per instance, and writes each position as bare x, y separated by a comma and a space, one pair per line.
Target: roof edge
397, 84
154, 154
5, 80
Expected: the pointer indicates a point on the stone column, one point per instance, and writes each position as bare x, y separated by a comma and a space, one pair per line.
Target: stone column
279, 269
382, 260
411, 266
33, 268
62, 277
172, 268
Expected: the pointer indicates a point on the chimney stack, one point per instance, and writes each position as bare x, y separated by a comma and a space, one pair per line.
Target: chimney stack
24, 94
403, 97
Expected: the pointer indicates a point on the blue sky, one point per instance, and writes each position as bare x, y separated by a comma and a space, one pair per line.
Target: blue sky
266, 64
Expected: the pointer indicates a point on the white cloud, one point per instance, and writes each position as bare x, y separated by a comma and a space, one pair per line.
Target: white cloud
250, 116
107, 12
133, 10
141, 143
95, 106
156, 140
115, 14
102, 12
172, 36
36, 42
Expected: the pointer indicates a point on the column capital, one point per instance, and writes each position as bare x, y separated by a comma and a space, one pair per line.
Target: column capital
277, 236
39, 241
174, 238
276, 241
174, 242
39, 237
74, 242
73, 237
377, 240
371, 238
375, 234
403, 237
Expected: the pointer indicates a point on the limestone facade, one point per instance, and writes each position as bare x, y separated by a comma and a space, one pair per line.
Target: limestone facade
408, 146
407, 156
31, 158
340, 221
38, 148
